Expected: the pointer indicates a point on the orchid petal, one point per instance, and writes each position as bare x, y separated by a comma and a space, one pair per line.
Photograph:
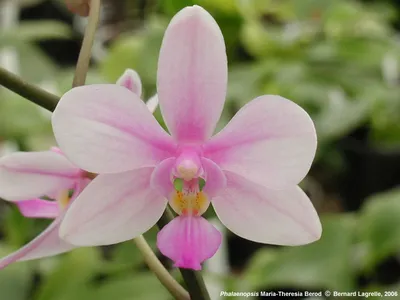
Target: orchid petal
131, 80
105, 128
152, 103
113, 208
188, 241
192, 75
270, 141
161, 179
27, 175
214, 177
38, 208
46, 244
280, 217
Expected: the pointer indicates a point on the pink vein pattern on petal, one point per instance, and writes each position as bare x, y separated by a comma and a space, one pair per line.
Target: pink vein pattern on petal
131, 80
46, 244
26, 175
113, 208
192, 75
104, 128
38, 208
285, 217
188, 241
270, 141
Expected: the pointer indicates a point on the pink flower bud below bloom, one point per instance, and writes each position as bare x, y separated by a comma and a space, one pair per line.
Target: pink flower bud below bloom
79, 7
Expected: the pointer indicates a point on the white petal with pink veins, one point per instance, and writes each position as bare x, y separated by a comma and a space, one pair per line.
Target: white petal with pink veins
192, 75
285, 217
26, 175
105, 128
113, 208
270, 141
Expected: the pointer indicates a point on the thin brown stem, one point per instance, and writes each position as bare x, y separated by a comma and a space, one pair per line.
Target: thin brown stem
85, 54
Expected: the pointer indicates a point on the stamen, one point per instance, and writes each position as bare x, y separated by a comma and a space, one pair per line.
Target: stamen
188, 165
187, 170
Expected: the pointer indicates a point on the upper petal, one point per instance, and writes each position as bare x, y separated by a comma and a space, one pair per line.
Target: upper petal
26, 175
284, 217
131, 80
189, 241
192, 75
113, 208
104, 128
38, 208
46, 244
271, 141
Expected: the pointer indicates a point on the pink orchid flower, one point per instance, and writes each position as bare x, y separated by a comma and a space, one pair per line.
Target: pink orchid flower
251, 168
26, 176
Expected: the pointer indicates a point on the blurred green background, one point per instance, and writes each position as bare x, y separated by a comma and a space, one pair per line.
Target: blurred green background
338, 59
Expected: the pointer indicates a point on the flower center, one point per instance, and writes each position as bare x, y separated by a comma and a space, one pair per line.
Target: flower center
190, 201
187, 170
187, 165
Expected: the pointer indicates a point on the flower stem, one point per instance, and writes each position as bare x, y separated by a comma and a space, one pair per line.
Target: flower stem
27, 90
193, 279
158, 269
87, 43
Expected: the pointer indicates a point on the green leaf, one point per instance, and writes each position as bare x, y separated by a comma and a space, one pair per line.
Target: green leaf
123, 54
15, 279
138, 52
379, 227
140, 286
20, 118
340, 115
171, 7
74, 270
323, 264
17, 228
35, 31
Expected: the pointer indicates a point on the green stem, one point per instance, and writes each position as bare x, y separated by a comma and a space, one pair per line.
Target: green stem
85, 54
193, 279
27, 90
158, 269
